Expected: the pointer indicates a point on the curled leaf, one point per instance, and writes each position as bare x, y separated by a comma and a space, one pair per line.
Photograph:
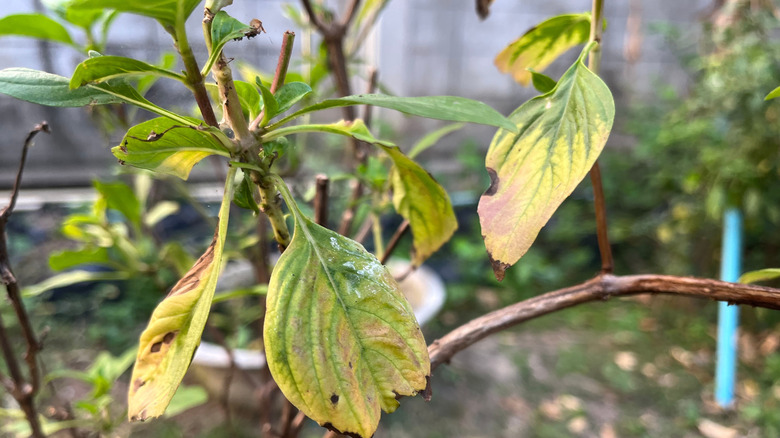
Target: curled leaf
423, 202
169, 341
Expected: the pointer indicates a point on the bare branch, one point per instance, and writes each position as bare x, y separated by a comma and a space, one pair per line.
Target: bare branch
350, 14
23, 392
600, 288
321, 201
605, 249
28, 142
314, 18
399, 233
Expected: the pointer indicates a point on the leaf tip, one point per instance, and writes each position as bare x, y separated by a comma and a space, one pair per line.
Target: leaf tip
499, 267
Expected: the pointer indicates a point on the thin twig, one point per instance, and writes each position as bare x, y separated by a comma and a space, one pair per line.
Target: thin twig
361, 155
285, 54
349, 213
297, 425
321, 200
43, 126
399, 233
23, 392
600, 288
350, 14
362, 233
314, 18
605, 249
594, 62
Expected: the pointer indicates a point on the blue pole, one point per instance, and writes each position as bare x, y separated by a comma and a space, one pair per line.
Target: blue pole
728, 316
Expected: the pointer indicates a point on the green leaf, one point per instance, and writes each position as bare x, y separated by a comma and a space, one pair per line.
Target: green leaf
186, 398
432, 138
543, 83
252, 291
341, 340
83, 18
164, 146
49, 89
120, 197
773, 95
356, 128
270, 105
89, 255
760, 275
169, 12
224, 28
543, 44
561, 134
424, 203
53, 90
289, 94
169, 341
103, 68
70, 278
244, 197
452, 108
35, 26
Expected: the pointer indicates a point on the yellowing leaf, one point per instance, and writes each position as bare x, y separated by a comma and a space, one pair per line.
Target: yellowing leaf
165, 146
169, 341
760, 275
542, 44
341, 340
423, 202
532, 172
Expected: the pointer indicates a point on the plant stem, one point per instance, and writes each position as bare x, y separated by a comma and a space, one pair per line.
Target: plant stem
231, 107
376, 230
23, 392
600, 288
194, 78
321, 201
594, 63
393, 244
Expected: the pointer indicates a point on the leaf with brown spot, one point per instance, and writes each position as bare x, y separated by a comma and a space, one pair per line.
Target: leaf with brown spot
341, 340
169, 341
561, 134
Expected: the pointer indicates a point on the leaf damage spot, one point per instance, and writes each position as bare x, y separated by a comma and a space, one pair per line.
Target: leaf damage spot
499, 267
493, 182
334, 399
156, 347
330, 427
168, 338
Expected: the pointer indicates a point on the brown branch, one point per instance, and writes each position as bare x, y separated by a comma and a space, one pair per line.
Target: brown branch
360, 236
314, 18
349, 214
321, 201
399, 233
594, 63
600, 288
285, 53
360, 150
6, 212
605, 249
23, 392
350, 14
